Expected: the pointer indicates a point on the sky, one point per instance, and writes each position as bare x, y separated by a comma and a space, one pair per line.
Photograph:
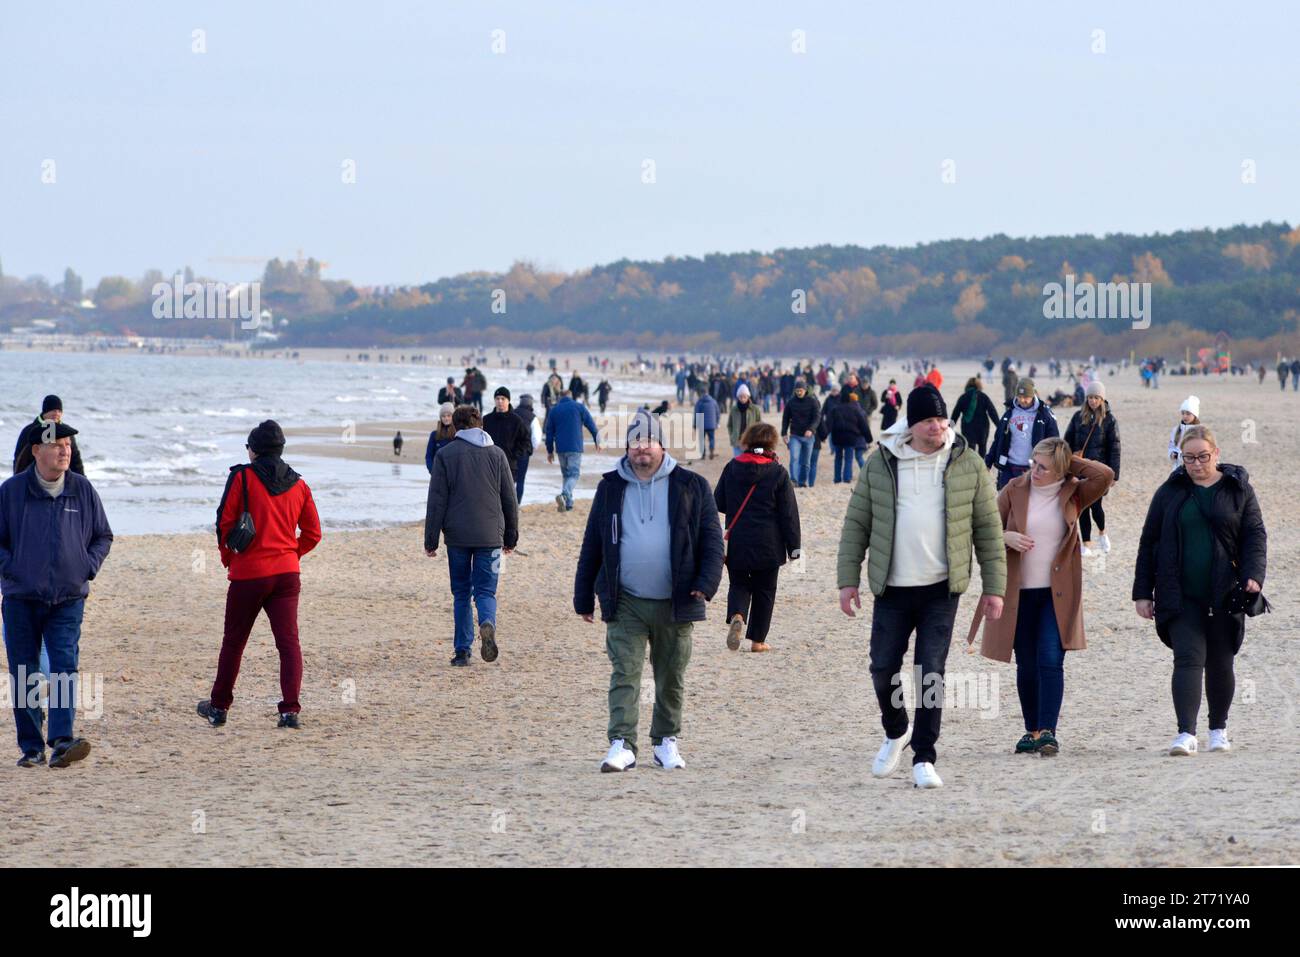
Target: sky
473, 148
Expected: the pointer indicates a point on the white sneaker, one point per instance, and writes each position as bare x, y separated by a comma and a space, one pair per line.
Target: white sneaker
890, 753
1104, 542
666, 755
925, 776
1219, 740
618, 758
1084, 550
1184, 746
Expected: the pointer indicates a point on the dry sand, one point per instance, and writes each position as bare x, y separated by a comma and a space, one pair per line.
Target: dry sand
403, 760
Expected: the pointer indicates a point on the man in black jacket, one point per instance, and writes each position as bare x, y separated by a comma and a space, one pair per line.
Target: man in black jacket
472, 502
449, 393
799, 423
652, 555
51, 415
509, 432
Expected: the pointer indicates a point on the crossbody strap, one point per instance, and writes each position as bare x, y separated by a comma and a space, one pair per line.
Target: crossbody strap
735, 518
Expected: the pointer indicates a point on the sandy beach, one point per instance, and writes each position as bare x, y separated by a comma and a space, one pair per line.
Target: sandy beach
402, 760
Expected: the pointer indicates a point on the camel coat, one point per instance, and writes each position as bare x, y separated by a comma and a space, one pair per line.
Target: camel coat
1086, 482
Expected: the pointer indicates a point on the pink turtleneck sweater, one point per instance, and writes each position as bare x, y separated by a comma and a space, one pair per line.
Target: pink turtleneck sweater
1046, 526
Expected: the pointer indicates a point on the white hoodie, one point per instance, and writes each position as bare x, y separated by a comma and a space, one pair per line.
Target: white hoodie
920, 554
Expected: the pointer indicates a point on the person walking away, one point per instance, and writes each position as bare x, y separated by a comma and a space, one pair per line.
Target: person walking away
1024, 424
397, 443
509, 432
535, 438
564, 425
1010, 380
975, 411
823, 432
652, 555
54, 537
742, 415
1202, 554
264, 572
707, 416
756, 497
440, 436
921, 503
1283, 367
1295, 374
472, 505
851, 434
799, 422
1093, 434
1042, 617
51, 413
1188, 415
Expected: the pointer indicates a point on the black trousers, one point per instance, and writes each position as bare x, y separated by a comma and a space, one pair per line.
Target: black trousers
1202, 652
1085, 521
929, 611
752, 592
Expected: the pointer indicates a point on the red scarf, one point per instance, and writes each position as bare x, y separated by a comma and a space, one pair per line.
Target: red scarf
753, 457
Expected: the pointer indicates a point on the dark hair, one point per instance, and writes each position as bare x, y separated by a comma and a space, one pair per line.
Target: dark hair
466, 417
760, 435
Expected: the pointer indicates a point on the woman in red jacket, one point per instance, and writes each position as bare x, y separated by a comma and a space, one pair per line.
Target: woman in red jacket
263, 573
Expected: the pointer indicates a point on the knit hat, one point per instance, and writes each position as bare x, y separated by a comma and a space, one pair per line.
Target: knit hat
1191, 404
1097, 387
1025, 387
925, 402
445, 409
501, 390
525, 399
742, 392
51, 403
800, 383
644, 426
268, 437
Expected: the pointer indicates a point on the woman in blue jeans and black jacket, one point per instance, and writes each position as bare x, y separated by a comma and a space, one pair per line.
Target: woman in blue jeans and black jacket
1042, 616
1203, 538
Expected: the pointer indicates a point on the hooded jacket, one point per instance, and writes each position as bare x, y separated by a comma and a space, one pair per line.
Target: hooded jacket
50, 548
281, 504
970, 519
695, 542
645, 534
1044, 426
471, 495
767, 531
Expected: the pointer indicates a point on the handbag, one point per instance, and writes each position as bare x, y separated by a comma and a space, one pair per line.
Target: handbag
241, 536
1240, 601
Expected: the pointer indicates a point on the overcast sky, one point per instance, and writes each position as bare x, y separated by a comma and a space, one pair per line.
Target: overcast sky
466, 158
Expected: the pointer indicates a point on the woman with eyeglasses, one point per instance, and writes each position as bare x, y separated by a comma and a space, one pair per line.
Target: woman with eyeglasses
1042, 614
1203, 536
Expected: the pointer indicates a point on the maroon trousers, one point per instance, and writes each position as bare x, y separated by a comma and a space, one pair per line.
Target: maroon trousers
278, 595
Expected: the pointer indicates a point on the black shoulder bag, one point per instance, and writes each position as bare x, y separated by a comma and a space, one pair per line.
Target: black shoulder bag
242, 534
1240, 601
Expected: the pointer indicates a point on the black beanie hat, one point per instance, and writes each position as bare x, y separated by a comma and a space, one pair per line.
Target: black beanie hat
51, 403
268, 437
925, 402
501, 390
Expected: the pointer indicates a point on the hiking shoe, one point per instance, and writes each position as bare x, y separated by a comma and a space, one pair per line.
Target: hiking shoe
925, 776
559, 503
288, 720
32, 759
1219, 740
1183, 746
487, 640
1025, 745
733, 633
67, 750
461, 660
1047, 745
890, 753
667, 756
215, 716
618, 758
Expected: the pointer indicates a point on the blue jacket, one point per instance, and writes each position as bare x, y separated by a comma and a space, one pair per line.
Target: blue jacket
50, 548
564, 425
695, 543
432, 448
1044, 427
708, 408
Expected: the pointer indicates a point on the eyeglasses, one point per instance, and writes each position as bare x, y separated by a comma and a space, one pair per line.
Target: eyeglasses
1200, 459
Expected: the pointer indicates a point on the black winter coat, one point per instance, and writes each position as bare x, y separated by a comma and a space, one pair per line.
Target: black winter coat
986, 414
1044, 427
696, 544
800, 415
768, 530
1102, 447
510, 433
849, 428
1158, 572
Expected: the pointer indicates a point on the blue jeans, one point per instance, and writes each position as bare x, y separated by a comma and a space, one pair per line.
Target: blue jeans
27, 622
570, 466
844, 456
736, 450
473, 574
812, 464
709, 435
521, 470
800, 452
1040, 660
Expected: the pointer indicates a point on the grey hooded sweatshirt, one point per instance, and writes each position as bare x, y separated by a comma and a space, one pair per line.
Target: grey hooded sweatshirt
645, 533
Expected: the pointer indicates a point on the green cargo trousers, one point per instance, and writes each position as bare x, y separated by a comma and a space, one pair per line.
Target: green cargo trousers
636, 622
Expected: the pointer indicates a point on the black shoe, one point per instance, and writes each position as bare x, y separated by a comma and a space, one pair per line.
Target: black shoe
216, 716
1047, 745
487, 641
32, 759
289, 720
1026, 745
67, 750
461, 660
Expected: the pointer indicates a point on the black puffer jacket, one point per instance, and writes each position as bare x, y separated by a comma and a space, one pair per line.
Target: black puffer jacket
1157, 575
800, 415
510, 434
1103, 446
768, 529
849, 427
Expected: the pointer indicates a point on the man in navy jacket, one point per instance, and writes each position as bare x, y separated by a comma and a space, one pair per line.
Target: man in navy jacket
564, 425
54, 537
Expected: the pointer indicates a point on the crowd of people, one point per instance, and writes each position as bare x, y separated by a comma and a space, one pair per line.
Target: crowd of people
658, 536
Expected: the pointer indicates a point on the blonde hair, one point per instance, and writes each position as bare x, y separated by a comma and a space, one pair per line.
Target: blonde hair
1202, 432
1058, 450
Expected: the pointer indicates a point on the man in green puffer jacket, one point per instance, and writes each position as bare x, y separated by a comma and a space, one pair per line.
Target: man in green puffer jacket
919, 505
